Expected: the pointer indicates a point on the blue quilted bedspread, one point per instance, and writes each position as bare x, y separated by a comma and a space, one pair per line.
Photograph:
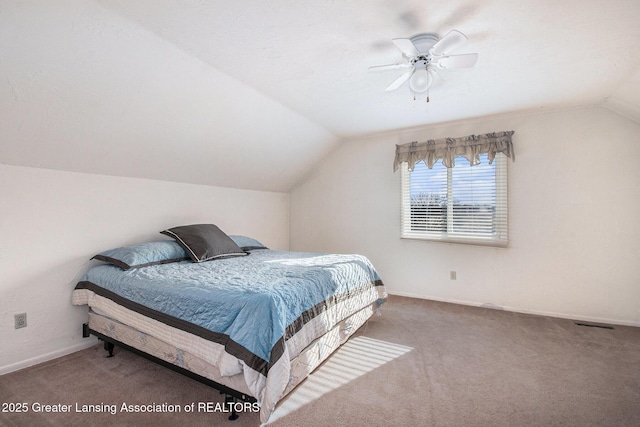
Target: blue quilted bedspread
252, 299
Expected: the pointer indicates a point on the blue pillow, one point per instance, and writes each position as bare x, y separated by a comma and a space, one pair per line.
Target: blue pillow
247, 243
144, 254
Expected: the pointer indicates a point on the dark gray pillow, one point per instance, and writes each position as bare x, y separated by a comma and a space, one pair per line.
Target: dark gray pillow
204, 242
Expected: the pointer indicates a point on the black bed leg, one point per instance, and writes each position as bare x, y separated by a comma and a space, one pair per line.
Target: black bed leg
109, 347
230, 400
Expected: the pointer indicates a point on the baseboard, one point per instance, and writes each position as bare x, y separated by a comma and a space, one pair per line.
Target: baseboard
86, 343
570, 316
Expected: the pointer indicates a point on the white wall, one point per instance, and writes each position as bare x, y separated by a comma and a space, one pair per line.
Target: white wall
574, 218
52, 222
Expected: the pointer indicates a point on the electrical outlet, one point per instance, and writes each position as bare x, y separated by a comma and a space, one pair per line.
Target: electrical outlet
21, 320
452, 275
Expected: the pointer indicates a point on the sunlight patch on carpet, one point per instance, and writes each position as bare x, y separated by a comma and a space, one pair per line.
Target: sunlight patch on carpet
358, 356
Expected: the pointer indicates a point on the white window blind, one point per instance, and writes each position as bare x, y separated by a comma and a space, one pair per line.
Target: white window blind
462, 204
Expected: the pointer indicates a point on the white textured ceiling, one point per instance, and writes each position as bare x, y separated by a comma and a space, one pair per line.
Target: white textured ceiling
251, 94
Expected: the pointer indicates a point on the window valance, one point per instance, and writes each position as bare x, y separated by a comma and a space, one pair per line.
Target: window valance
447, 149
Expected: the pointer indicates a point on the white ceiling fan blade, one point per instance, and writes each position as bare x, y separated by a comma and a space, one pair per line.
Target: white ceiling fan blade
466, 60
399, 81
389, 67
406, 46
436, 78
448, 43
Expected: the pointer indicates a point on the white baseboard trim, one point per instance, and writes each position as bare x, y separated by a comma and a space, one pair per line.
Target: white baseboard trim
570, 316
48, 356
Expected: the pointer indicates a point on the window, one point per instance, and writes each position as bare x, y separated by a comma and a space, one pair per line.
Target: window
461, 204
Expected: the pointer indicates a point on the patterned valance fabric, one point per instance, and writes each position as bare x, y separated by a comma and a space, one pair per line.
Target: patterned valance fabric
447, 149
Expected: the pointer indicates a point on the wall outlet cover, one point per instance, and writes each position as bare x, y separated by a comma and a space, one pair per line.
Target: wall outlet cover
20, 320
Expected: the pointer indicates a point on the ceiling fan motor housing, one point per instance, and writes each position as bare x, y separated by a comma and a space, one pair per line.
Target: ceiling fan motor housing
424, 42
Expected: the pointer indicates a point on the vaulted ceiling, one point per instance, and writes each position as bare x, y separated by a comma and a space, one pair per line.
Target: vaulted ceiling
252, 94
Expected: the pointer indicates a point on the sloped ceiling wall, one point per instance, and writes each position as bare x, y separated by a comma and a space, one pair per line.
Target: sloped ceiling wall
83, 89
252, 94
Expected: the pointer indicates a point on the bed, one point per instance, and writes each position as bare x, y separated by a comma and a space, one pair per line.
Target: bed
254, 321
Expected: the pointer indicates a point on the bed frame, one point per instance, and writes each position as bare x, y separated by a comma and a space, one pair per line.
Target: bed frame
231, 395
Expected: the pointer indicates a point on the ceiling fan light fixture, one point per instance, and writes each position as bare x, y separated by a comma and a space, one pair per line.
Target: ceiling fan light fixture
420, 80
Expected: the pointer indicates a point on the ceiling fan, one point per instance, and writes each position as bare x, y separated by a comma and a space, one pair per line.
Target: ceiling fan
424, 54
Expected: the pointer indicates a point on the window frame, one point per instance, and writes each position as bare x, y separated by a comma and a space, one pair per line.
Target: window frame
497, 239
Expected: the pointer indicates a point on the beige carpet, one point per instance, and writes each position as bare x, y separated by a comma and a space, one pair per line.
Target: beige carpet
422, 363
